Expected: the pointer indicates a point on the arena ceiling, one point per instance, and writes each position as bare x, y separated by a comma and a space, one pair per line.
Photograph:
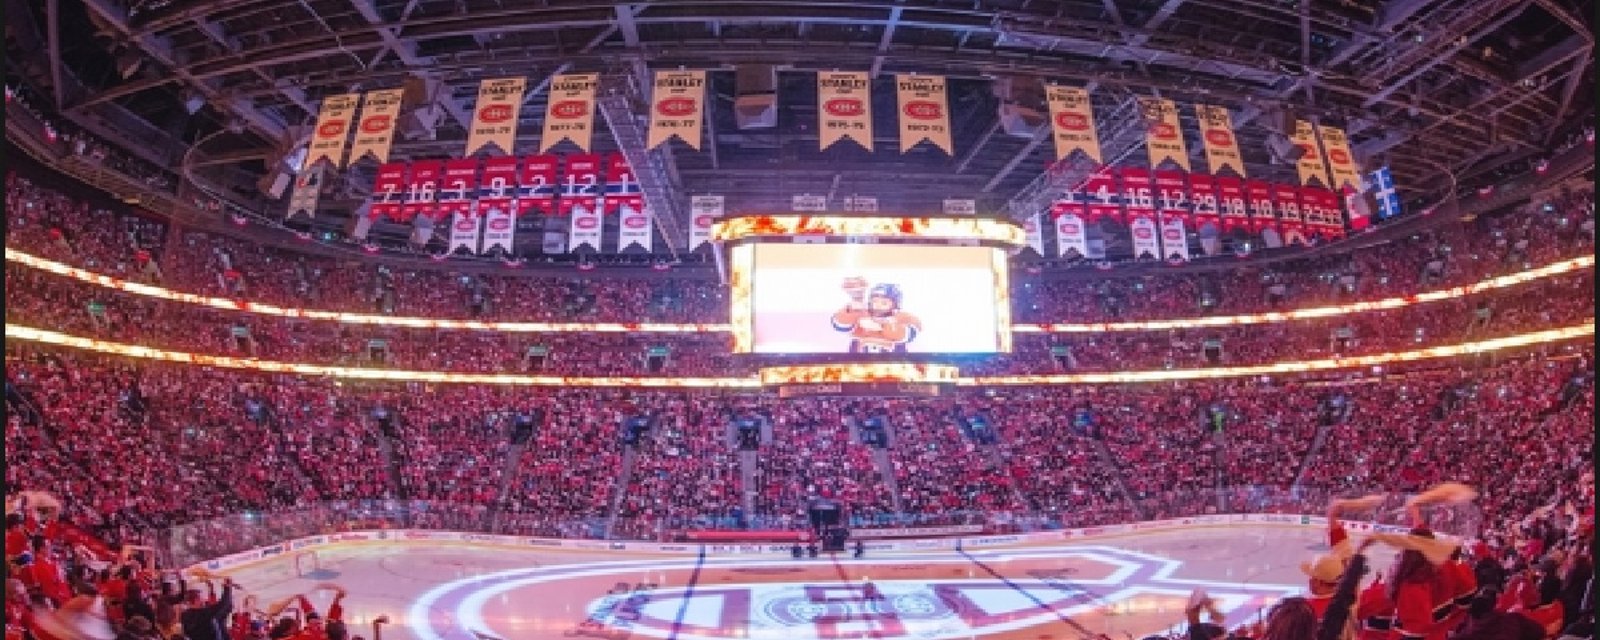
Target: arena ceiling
1434, 88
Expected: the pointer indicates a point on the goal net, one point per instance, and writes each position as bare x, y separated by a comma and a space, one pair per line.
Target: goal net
306, 564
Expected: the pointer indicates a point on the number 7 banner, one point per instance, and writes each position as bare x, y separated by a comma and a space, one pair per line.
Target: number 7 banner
388, 191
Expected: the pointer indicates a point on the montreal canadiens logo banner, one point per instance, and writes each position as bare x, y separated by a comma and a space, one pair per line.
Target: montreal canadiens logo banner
1163, 133
924, 112
1072, 238
1072, 122
676, 108
569, 114
494, 119
499, 227
1341, 162
586, 228
1216, 137
1145, 244
844, 108
703, 211
1174, 240
1033, 227
333, 129
464, 229
633, 228
375, 130
1311, 168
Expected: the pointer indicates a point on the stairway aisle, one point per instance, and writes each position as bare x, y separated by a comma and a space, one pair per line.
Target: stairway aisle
1114, 471
624, 478
748, 471
885, 464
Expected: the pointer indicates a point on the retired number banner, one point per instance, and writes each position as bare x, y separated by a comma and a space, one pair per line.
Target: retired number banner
497, 187
924, 112
844, 108
569, 115
333, 128
1103, 196
374, 132
500, 201
1139, 196
459, 187
1172, 194
536, 188
1216, 137
388, 191
1287, 199
703, 212
1072, 122
676, 107
494, 118
1163, 134
622, 190
422, 190
1263, 213
1231, 202
1203, 194
580, 199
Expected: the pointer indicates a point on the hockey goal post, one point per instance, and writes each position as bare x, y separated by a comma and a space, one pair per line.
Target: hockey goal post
306, 563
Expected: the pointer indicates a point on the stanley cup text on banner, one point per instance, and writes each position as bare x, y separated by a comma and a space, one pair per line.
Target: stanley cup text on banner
844, 108
703, 211
375, 130
1072, 122
1163, 135
676, 107
494, 118
1310, 165
569, 115
333, 129
307, 189
1341, 163
1216, 136
924, 112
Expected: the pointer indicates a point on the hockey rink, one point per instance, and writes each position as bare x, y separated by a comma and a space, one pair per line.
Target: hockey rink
1133, 584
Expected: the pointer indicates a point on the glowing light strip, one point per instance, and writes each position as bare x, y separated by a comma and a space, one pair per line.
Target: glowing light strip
864, 372
788, 225
230, 304
1501, 282
30, 334
1303, 366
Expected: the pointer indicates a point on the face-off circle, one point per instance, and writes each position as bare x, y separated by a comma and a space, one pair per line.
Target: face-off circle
1017, 594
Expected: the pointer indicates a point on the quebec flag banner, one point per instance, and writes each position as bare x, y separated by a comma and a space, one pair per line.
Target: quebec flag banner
1383, 191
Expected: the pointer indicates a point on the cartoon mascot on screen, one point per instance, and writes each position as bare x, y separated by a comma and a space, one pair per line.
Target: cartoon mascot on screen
873, 318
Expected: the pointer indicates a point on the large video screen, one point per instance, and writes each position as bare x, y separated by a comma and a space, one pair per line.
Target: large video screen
877, 299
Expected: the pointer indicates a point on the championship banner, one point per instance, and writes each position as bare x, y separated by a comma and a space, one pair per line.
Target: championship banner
464, 230
586, 227
676, 107
1035, 233
580, 187
703, 211
1163, 134
1341, 162
1203, 193
499, 228
422, 189
1144, 232
924, 112
1072, 122
1102, 196
1287, 199
844, 108
633, 228
375, 130
1216, 136
388, 191
494, 118
307, 190
1310, 165
1174, 240
459, 187
1072, 238
1231, 202
569, 114
333, 127
1263, 214
497, 188
622, 190
1172, 194
537, 185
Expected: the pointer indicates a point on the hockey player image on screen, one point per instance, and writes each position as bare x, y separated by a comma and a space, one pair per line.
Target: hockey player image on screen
873, 318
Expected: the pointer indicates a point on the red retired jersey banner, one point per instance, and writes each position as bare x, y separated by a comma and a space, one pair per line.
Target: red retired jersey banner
580, 187
1203, 193
1287, 199
1138, 195
388, 191
1263, 213
1102, 195
458, 187
1321, 210
1231, 202
1172, 195
497, 189
622, 190
537, 185
422, 190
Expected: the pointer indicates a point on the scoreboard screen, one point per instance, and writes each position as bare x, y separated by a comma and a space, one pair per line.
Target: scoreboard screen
871, 299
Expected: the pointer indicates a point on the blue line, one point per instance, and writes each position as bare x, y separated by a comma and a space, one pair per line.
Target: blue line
688, 594
1019, 589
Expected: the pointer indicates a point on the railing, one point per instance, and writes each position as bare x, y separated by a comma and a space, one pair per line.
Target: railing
195, 542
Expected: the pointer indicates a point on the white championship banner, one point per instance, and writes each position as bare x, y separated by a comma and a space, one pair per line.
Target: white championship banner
1145, 244
633, 228
1071, 236
464, 228
586, 229
703, 211
499, 225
